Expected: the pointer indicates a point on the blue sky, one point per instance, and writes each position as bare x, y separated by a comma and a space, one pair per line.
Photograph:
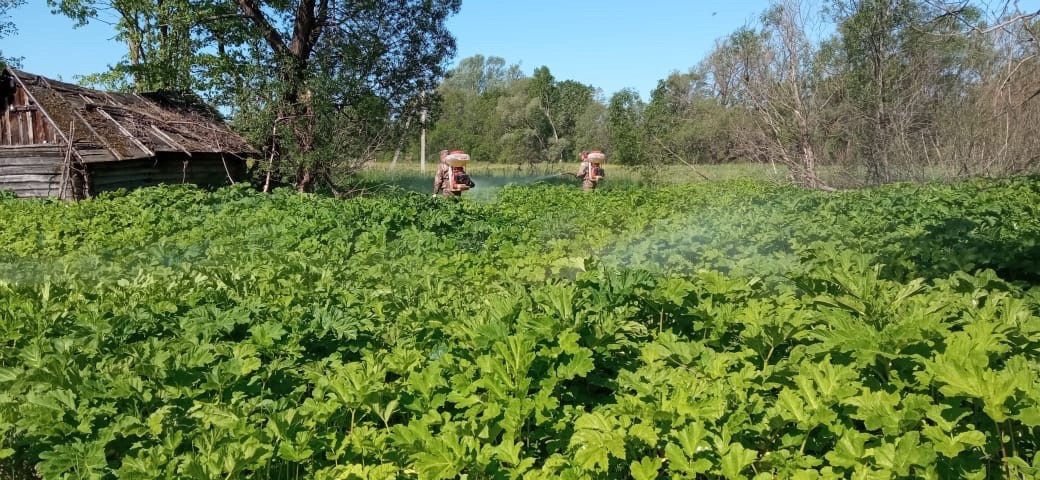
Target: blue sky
609, 44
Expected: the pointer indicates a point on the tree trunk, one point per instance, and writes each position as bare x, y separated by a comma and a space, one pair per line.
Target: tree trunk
552, 125
296, 102
304, 179
400, 143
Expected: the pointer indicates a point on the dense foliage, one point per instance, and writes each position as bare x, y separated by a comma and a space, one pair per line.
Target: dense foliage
7, 27
724, 330
316, 85
840, 92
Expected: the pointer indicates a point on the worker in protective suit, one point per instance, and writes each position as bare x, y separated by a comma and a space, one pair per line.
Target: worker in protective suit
590, 172
451, 178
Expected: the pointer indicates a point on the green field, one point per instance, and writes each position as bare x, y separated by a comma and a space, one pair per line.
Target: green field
724, 329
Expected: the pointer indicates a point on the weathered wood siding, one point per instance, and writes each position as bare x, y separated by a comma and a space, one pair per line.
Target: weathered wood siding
200, 169
22, 121
36, 171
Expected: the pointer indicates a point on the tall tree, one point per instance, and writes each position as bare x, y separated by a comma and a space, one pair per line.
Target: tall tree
558, 105
524, 130
344, 71
685, 121
895, 57
541, 116
499, 115
625, 125
480, 75
7, 27
574, 100
469, 117
166, 40
321, 84
771, 72
997, 131
997, 86
542, 88
789, 107
590, 126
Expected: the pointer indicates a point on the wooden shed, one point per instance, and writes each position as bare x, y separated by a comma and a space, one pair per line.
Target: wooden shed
63, 140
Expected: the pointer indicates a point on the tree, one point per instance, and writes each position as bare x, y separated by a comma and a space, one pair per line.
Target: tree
624, 120
685, 121
590, 126
345, 74
538, 117
894, 58
542, 88
523, 137
789, 108
469, 117
558, 106
771, 73
997, 127
166, 40
1008, 17
320, 84
574, 102
8, 27
480, 75
499, 115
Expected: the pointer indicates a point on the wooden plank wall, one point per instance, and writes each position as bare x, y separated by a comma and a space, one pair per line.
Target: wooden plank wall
207, 171
33, 171
36, 171
23, 123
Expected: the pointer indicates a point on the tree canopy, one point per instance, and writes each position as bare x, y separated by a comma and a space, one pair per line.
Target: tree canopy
321, 85
7, 27
895, 90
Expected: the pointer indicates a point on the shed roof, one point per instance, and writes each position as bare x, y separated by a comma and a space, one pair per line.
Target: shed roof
132, 125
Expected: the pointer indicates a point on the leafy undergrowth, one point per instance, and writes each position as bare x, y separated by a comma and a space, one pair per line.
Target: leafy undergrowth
717, 330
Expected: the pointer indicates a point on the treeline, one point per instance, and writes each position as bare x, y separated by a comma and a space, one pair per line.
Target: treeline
894, 90
838, 93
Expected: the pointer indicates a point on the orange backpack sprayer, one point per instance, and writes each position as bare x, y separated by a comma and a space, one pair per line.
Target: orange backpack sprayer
458, 179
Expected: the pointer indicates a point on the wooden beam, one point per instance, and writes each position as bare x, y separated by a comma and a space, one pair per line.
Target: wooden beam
29, 177
30, 148
29, 190
112, 100
7, 127
153, 106
135, 111
31, 130
98, 155
170, 141
126, 132
104, 141
47, 117
66, 167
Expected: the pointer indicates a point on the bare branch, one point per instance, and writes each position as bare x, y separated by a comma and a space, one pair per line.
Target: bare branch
274, 39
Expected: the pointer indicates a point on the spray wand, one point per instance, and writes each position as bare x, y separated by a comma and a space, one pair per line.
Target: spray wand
554, 175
